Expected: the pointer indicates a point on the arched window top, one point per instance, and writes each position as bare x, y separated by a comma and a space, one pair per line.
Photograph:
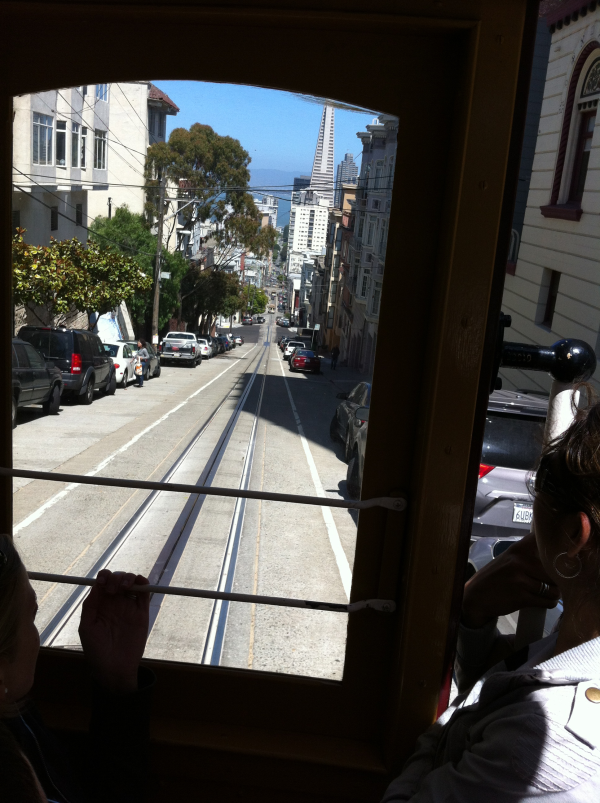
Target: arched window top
591, 84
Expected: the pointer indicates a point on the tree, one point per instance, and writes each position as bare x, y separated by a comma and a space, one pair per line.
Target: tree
211, 175
286, 232
129, 233
68, 275
284, 251
254, 301
215, 293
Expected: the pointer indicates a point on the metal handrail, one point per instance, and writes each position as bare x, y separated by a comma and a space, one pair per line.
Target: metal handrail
382, 605
392, 503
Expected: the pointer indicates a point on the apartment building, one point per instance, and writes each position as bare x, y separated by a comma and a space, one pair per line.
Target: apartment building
361, 282
139, 111
329, 270
60, 160
308, 228
553, 291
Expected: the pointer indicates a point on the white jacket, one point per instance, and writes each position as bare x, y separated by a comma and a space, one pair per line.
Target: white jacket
521, 734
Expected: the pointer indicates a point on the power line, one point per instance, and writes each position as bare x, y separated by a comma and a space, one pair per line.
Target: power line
87, 228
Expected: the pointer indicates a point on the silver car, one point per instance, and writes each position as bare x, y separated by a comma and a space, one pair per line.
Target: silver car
512, 443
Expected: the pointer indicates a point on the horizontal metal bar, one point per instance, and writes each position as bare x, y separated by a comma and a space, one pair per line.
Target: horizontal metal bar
392, 503
383, 605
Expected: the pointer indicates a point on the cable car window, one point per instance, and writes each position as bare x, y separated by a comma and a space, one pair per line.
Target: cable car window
176, 255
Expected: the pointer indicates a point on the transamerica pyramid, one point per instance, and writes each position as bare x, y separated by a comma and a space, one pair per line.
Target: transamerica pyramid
321, 178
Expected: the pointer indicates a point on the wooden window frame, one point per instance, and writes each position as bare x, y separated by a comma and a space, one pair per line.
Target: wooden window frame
583, 135
364, 726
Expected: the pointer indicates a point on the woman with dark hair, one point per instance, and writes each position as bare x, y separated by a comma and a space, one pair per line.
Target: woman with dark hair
113, 632
143, 357
529, 729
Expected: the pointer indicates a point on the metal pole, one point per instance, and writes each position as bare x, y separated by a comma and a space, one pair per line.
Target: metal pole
161, 217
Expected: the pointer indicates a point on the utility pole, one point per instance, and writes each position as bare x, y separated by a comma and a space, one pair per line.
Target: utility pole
161, 217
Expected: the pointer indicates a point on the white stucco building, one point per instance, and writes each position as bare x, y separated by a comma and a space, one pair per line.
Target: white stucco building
138, 119
308, 230
553, 291
60, 160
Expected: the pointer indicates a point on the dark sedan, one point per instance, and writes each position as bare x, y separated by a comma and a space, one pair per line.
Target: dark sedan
344, 425
34, 380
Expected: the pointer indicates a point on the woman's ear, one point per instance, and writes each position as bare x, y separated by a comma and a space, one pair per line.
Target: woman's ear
581, 535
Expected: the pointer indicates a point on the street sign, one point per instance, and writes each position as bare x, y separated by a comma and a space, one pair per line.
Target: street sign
165, 274
155, 340
317, 326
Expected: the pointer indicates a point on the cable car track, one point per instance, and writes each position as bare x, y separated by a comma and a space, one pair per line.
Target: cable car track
175, 543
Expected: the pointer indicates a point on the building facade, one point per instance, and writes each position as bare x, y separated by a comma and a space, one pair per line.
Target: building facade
553, 290
361, 280
308, 229
60, 160
329, 270
138, 119
321, 177
347, 173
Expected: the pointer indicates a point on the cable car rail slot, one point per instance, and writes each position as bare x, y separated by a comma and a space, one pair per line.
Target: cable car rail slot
382, 605
392, 503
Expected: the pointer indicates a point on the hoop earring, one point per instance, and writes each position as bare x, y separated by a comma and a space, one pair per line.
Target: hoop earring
566, 576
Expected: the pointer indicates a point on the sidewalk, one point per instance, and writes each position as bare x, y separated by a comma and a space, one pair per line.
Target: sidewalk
343, 377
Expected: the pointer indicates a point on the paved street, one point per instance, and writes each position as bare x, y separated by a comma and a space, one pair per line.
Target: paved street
240, 418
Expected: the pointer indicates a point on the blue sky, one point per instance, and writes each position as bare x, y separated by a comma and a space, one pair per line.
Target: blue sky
278, 129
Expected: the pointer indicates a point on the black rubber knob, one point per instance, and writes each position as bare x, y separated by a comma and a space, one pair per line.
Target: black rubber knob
574, 360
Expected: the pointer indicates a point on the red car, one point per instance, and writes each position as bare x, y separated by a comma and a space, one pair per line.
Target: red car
305, 360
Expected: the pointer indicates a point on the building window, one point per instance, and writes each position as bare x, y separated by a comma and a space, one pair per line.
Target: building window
61, 143
376, 300
53, 218
84, 90
16, 220
75, 133
100, 149
582, 155
102, 92
550, 306
591, 85
364, 287
371, 231
378, 173
42, 139
83, 144
383, 237
79, 214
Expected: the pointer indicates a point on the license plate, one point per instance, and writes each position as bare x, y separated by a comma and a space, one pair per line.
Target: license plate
523, 514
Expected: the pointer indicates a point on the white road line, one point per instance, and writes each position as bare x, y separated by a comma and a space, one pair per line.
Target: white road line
61, 494
334, 537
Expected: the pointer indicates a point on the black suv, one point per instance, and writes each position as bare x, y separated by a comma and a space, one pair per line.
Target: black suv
79, 354
34, 381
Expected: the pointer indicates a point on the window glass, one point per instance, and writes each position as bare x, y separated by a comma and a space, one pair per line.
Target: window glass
512, 441
34, 358
42, 139
61, 143
21, 355
293, 244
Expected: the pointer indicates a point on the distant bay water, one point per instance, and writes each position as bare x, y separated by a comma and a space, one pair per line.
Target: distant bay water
278, 183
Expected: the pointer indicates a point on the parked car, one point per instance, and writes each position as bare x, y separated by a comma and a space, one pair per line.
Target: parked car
356, 460
239, 340
153, 361
124, 361
282, 341
181, 347
290, 347
344, 425
205, 349
260, 319
512, 443
305, 360
80, 356
34, 380
231, 338
224, 342
247, 320
284, 323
